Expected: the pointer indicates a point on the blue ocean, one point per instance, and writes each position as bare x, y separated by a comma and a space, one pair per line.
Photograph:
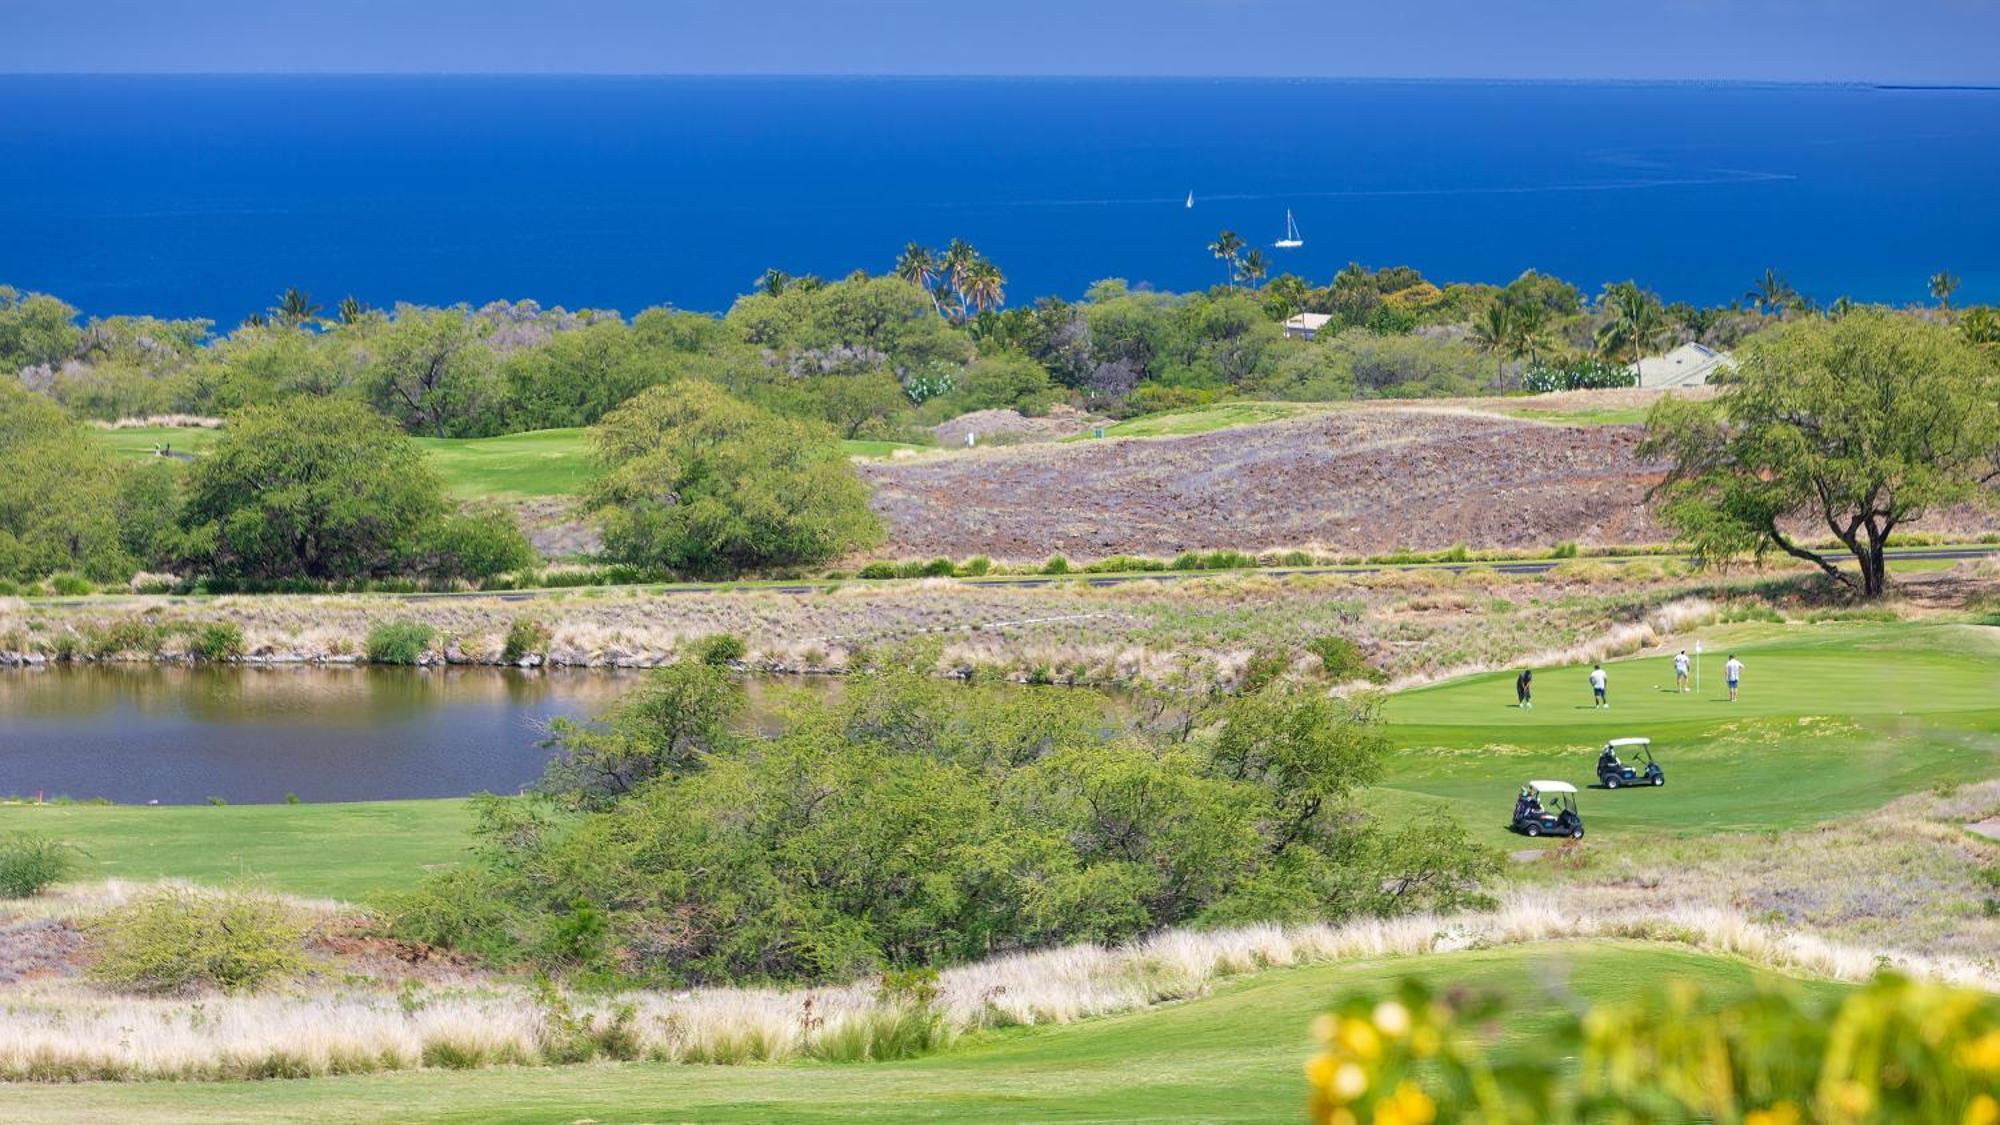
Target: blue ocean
206, 196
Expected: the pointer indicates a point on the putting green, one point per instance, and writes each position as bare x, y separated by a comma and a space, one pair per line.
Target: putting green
1234, 1056
1833, 719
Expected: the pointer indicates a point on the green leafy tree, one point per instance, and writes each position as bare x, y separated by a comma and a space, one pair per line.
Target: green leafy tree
321, 489
1857, 425
700, 483
59, 494
35, 329
430, 371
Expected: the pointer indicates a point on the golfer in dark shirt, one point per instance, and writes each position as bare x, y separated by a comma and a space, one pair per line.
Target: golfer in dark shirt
1524, 689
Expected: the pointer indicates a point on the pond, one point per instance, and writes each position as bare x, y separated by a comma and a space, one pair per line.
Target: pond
178, 735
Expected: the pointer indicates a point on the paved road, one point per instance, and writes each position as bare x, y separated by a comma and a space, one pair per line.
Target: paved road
1030, 581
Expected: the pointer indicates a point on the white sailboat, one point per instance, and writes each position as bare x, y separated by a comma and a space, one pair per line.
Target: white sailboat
1190, 201
1291, 241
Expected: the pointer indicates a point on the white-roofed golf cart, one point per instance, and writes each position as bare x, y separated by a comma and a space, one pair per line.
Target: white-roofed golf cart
1628, 761
1547, 808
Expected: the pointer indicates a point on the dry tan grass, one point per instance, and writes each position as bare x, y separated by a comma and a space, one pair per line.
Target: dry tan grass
63, 1030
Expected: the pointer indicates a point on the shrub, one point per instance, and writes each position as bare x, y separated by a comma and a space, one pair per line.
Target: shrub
399, 642
976, 566
477, 546
877, 571
1342, 659
217, 640
720, 650
1586, 374
940, 568
1056, 565
1564, 550
706, 485
70, 585
179, 940
30, 863
526, 635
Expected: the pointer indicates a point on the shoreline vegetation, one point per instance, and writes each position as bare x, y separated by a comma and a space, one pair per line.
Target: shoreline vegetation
700, 447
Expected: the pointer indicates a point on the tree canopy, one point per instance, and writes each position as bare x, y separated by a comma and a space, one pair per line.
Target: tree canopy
1854, 427
59, 495
701, 483
326, 489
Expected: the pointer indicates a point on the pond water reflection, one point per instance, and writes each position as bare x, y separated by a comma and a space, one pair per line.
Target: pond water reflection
179, 735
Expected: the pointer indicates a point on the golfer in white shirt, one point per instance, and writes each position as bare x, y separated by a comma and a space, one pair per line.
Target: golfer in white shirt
1681, 669
1598, 683
1733, 672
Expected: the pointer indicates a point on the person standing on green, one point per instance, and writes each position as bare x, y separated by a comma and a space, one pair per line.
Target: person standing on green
1599, 685
1733, 672
1524, 690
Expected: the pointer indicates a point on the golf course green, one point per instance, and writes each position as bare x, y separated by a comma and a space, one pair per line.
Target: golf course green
1835, 718
1232, 1056
507, 467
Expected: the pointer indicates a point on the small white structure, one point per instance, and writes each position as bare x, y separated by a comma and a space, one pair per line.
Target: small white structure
1305, 326
1690, 365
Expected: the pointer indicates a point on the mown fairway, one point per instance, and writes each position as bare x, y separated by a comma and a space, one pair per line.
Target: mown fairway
508, 467
1834, 719
344, 851
1233, 1056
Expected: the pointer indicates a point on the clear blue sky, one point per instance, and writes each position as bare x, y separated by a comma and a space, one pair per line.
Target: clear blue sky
1923, 41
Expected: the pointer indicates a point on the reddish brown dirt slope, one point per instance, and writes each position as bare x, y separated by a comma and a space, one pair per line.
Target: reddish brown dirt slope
1351, 481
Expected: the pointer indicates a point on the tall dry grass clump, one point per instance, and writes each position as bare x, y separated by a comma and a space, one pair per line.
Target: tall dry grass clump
62, 1031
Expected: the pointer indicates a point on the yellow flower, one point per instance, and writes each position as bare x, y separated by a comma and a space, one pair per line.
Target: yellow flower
1407, 1106
1425, 1041
1323, 1026
1319, 1069
1783, 1113
1982, 1053
1360, 1038
1392, 1018
1983, 1110
1341, 1115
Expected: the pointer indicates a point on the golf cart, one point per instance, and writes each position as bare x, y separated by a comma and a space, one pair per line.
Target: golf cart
1547, 808
1615, 772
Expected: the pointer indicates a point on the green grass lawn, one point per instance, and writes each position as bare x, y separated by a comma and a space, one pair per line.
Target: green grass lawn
1588, 416
1204, 419
1834, 719
508, 467
1234, 1056
346, 851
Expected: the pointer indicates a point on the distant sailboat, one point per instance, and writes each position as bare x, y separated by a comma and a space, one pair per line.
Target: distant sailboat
1291, 241
1190, 201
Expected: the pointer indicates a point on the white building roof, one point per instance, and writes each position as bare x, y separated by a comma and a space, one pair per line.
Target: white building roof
1689, 365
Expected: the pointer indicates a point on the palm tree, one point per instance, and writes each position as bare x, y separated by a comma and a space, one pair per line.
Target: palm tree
1494, 333
1841, 306
918, 265
1943, 284
959, 257
1634, 322
295, 307
985, 285
1225, 247
351, 311
773, 281
1531, 332
1253, 267
1771, 293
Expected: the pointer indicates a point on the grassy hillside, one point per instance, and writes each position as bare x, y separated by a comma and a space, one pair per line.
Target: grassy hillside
508, 467
1234, 1056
